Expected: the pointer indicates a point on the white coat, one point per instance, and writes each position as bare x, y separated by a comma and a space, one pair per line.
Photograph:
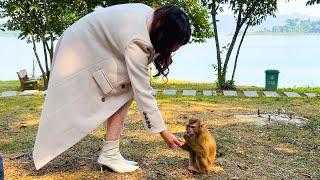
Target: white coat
100, 63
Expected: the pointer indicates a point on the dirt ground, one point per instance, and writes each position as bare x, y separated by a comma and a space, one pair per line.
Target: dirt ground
271, 151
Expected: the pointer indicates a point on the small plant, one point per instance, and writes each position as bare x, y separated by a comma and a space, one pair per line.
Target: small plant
314, 123
228, 85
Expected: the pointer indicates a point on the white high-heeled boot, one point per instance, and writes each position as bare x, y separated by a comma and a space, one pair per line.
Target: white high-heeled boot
117, 143
110, 156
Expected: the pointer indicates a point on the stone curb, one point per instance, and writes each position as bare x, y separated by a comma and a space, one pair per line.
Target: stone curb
173, 92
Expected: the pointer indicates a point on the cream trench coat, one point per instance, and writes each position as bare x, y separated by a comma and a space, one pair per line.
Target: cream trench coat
100, 63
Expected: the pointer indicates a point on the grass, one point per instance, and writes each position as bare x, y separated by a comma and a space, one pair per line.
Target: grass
273, 151
13, 85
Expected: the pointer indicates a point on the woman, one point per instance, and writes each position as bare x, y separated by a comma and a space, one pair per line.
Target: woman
100, 65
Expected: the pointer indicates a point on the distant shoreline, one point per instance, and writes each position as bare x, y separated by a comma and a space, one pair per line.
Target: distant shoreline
282, 34
276, 34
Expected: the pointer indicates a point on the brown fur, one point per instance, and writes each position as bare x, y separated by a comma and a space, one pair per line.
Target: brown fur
201, 146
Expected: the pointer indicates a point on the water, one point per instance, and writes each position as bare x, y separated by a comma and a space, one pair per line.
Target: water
297, 57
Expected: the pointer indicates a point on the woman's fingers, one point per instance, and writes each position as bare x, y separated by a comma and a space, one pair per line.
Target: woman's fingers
178, 143
174, 146
171, 140
182, 143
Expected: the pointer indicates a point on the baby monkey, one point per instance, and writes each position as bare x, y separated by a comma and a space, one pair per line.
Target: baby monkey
201, 146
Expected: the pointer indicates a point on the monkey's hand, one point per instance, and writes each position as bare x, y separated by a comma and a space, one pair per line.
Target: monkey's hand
186, 136
186, 147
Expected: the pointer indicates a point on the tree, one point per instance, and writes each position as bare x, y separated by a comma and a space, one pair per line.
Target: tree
44, 21
198, 14
247, 13
41, 21
312, 2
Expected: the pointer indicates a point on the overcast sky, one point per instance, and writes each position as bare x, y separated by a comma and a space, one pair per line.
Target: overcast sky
293, 6
298, 6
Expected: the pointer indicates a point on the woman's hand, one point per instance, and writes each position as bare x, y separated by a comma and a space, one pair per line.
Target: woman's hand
171, 140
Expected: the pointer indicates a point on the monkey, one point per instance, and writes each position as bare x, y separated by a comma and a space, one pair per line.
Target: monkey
201, 146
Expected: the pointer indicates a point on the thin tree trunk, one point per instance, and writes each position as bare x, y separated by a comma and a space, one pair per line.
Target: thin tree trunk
45, 56
44, 41
52, 48
225, 65
216, 38
233, 41
238, 51
38, 60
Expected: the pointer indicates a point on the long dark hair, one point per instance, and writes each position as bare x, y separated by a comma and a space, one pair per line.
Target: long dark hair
170, 29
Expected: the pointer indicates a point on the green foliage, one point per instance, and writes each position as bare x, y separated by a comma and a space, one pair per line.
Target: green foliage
312, 2
227, 85
40, 18
45, 20
298, 26
198, 14
54, 17
315, 123
246, 12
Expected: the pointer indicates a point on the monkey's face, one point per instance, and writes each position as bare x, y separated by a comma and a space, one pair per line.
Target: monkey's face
191, 129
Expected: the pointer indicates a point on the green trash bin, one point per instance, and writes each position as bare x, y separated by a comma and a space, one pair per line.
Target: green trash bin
272, 77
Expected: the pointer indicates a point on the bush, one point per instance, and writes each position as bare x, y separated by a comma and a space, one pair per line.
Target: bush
228, 85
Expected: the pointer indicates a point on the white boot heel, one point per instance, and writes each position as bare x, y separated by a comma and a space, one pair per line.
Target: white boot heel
101, 168
110, 156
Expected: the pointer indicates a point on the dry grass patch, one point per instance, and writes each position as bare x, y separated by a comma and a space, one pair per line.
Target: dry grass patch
248, 151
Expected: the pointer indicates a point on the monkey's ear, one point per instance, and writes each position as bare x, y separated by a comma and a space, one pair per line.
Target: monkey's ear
203, 126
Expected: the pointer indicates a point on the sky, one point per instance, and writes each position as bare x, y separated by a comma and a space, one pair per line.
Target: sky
292, 7
298, 6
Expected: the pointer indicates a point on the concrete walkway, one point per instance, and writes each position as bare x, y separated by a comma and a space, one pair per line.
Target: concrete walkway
174, 92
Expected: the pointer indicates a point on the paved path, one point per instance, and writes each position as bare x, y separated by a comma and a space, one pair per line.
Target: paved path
173, 92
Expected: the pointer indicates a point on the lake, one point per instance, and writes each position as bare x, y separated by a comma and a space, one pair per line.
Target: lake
297, 57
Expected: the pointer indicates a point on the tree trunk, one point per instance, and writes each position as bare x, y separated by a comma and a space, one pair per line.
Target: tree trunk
234, 38
44, 41
51, 48
45, 56
221, 80
233, 41
238, 51
38, 60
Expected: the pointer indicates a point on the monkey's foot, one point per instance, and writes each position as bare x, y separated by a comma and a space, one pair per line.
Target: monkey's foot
192, 169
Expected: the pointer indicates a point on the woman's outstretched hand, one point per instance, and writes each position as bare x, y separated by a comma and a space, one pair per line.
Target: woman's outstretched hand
171, 140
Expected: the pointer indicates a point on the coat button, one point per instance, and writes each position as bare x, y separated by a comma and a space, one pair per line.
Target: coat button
149, 126
123, 86
103, 99
144, 113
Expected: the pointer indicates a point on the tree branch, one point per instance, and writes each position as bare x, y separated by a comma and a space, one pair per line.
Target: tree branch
249, 12
238, 52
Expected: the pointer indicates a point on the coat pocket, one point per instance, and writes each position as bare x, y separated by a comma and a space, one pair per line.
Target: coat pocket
102, 80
